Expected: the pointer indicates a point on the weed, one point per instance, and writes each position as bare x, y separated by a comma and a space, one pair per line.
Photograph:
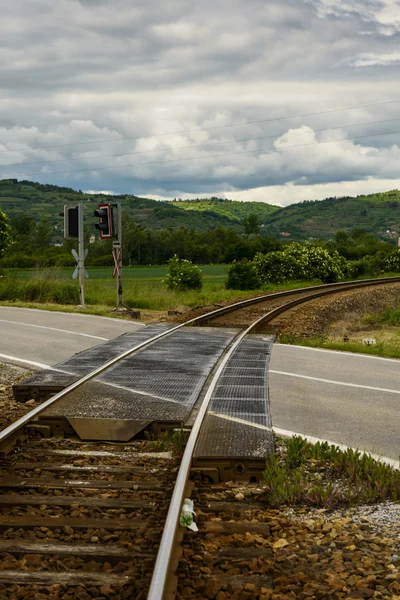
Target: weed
174, 440
324, 475
389, 349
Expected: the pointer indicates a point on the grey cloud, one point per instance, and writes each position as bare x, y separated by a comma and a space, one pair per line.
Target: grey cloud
80, 71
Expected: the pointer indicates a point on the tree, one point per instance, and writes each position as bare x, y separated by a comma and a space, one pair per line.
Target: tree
251, 224
5, 237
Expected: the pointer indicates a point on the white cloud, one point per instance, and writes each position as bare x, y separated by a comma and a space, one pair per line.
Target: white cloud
369, 59
176, 74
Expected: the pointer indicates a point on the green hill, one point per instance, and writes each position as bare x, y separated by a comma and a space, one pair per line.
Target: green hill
27, 198
376, 213
232, 209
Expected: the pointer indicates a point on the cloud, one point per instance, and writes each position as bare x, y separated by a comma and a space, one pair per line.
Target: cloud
369, 59
199, 98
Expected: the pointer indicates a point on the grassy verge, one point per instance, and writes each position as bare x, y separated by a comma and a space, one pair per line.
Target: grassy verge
322, 475
46, 288
386, 349
389, 316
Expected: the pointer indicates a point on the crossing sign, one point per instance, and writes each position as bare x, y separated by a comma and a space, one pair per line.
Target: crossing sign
76, 257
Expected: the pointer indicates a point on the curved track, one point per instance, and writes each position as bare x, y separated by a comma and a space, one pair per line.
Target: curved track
114, 473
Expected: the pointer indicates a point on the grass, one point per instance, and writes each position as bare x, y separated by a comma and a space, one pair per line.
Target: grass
323, 475
389, 316
143, 288
173, 440
386, 349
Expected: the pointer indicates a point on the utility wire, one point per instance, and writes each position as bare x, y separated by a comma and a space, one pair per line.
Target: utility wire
155, 135
213, 144
178, 160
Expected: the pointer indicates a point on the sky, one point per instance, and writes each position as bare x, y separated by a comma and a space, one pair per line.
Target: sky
276, 102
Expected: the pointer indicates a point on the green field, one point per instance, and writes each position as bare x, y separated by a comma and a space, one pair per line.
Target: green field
143, 288
212, 273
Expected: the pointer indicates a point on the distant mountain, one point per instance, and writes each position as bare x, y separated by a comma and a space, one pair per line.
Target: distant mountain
19, 198
376, 213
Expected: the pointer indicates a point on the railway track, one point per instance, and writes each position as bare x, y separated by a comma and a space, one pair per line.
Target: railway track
92, 520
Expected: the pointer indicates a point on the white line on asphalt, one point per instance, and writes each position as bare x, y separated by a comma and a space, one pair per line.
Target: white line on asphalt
72, 314
344, 383
238, 420
339, 352
95, 337
313, 440
27, 362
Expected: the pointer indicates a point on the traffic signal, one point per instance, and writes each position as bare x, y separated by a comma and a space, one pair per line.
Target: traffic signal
71, 221
105, 224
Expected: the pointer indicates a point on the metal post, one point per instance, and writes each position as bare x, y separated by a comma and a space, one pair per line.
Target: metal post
81, 252
119, 278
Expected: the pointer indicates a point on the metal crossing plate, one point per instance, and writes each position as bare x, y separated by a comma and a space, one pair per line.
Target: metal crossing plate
238, 423
159, 383
49, 381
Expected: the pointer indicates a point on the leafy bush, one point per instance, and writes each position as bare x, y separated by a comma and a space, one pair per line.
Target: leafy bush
183, 275
300, 261
242, 276
391, 262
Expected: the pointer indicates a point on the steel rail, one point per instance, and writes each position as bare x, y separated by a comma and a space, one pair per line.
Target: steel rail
159, 577
14, 427
158, 583
274, 295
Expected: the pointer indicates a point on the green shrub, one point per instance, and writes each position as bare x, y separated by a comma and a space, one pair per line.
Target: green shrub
243, 276
183, 275
391, 262
298, 262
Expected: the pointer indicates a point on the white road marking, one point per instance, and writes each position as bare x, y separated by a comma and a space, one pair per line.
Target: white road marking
27, 362
313, 440
344, 383
95, 337
238, 420
66, 313
339, 352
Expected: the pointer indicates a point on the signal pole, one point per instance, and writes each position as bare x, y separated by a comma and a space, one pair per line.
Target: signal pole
81, 253
117, 255
73, 229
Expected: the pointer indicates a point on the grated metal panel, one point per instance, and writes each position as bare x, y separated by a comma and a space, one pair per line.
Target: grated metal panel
159, 383
238, 423
82, 363
236, 440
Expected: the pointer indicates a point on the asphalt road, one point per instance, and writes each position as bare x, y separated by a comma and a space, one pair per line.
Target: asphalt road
49, 337
346, 398
350, 399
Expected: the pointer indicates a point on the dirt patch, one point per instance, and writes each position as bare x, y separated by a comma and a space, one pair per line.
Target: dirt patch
341, 315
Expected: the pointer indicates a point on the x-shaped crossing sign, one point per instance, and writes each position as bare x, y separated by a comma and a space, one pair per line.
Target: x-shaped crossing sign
116, 252
76, 257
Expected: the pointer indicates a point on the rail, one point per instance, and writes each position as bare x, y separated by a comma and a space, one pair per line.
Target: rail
158, 584
323, 289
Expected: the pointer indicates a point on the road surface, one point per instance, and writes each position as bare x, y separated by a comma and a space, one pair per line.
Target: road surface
49, 337
346, 398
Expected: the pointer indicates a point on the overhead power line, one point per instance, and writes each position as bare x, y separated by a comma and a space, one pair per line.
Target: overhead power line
178, 160
155, 135
213, 144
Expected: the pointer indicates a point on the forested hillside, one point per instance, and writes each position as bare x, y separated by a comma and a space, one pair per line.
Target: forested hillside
375, 213
312, 219
232, 209
26, 198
